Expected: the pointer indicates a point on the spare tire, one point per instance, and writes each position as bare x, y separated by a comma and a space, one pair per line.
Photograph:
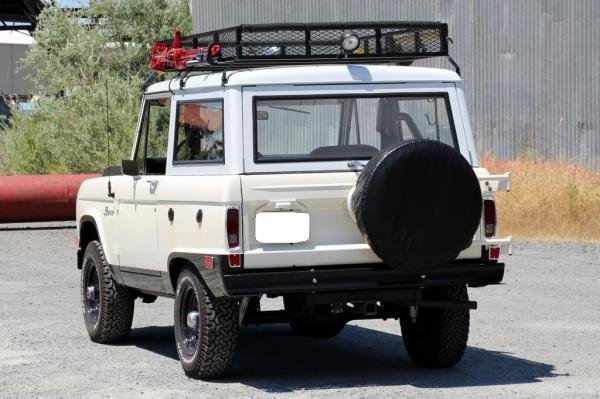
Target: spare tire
418, 204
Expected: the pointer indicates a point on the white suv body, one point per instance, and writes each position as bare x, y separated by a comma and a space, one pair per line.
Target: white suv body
134, 226
352, 191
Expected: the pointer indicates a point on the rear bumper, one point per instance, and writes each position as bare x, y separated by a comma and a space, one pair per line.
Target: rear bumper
357, 278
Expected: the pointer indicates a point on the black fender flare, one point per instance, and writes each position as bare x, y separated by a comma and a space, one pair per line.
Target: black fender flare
212, 277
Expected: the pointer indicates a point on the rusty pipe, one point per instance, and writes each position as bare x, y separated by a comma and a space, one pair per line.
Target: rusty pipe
39, 198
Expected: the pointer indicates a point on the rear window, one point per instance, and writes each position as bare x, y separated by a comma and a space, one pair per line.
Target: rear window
297, 129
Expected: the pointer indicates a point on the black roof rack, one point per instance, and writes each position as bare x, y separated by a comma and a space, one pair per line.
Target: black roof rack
247, 46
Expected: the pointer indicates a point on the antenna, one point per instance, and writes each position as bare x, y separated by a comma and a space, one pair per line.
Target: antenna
110, 193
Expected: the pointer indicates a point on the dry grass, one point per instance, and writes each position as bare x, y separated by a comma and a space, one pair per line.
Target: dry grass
549, 200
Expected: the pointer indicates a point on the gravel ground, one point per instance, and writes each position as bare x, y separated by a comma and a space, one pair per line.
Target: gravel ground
535, 336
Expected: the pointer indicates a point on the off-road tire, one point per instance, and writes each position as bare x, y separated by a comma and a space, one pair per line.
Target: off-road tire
116, 301
438, 338
317, 329
217, 333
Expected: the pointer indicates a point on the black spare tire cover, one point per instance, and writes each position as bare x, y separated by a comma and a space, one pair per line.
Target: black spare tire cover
418, 204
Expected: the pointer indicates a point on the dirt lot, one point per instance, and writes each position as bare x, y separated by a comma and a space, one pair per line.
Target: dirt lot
535, 336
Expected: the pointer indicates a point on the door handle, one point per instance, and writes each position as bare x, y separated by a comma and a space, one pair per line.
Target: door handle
153, 184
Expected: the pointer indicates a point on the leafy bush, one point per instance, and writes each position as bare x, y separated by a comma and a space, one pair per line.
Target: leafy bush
74, 64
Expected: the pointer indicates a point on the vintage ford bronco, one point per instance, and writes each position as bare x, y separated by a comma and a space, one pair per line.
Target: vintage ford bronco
310, 162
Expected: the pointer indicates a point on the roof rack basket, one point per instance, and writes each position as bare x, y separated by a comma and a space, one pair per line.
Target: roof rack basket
247, 46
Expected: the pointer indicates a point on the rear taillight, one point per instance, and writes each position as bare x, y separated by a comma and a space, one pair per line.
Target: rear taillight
233, 227
489, 218
235, 260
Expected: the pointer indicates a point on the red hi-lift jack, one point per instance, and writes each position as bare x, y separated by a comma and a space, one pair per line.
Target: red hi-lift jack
171, 56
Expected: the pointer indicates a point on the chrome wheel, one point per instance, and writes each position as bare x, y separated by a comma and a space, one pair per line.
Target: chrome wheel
91, 293
189, 321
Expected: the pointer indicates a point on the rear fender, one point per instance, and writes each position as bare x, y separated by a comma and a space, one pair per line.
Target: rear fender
211, 276
491, 184
495, 183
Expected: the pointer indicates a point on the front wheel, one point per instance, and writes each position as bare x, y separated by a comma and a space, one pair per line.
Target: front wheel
107, 306
206, 329
437, 338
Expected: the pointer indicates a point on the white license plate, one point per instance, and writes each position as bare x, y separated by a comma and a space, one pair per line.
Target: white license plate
282, 227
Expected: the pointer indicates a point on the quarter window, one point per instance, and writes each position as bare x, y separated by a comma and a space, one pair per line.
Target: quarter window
199, 132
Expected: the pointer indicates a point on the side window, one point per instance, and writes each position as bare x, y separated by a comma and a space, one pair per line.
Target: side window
199, 132
151, 151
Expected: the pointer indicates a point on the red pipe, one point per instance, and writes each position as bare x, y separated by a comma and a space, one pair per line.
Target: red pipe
39, 198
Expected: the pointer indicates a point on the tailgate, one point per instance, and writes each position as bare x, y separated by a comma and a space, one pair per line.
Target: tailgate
308, 224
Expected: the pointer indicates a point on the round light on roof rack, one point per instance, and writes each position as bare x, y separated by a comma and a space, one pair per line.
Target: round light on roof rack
350, 42
272, 51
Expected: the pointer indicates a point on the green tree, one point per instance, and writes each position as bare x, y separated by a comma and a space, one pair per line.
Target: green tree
75, 62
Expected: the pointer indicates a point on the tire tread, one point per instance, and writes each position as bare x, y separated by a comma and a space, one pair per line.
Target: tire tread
219, 335
444, 342
117, 303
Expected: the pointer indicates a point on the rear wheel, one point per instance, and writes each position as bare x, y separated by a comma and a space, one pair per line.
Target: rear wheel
206, 329
437, 338
107, 306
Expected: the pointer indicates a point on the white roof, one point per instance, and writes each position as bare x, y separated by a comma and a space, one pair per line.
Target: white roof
15, 37
317, 74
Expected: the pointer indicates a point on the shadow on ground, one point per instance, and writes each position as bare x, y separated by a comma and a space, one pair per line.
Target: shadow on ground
273, 359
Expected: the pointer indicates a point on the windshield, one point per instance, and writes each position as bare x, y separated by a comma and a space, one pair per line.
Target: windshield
297, 129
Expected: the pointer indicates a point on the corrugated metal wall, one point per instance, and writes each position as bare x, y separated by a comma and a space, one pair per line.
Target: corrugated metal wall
12, 79
531, 66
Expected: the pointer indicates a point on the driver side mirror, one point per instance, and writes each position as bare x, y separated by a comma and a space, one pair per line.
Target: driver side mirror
130, 168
